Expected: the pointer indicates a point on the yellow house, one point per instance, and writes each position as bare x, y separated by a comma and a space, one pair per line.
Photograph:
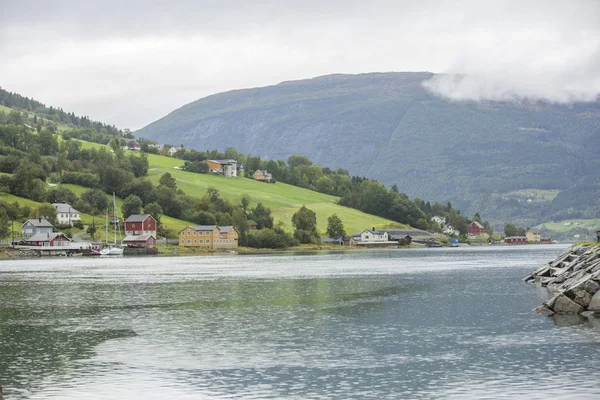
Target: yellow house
533, 235
209, 236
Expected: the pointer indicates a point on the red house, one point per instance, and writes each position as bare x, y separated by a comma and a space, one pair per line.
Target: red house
147, 241
515, 239
476, 229
140, 224
47, 240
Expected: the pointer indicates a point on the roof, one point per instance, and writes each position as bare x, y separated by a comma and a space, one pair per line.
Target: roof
263, 171
138, 217
64, 208
140, 238
45, 237
534, 231
39, 222
332, 240
477, 224
226, 228
222, 162
203, 227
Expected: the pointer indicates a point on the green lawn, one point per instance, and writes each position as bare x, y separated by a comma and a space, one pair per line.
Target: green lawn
284, 200
559, 226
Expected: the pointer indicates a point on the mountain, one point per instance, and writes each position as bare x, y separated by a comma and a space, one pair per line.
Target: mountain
481, 156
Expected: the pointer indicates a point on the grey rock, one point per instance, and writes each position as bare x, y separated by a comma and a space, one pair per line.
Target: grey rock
594, 304
591, 286
564, 305
543, 310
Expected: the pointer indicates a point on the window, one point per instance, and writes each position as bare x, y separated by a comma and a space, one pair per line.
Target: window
182, 241
207, 241
188, 233
182, 233
194, 234
189, 241
195, 241
201, 241
133, 225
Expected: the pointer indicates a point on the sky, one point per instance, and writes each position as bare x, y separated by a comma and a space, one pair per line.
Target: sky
129, 63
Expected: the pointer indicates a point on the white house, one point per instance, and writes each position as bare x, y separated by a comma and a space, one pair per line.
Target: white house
66, 214
440, 220
374, 236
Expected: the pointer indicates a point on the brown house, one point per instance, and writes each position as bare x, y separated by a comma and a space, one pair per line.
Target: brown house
262, 175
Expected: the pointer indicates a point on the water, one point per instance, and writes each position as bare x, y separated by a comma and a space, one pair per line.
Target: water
419, 324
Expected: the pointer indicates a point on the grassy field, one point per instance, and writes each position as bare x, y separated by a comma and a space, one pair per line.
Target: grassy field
284, 200
591, 224
535, 195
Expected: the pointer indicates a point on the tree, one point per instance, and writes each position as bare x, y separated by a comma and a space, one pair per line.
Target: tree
305, 224
4, 224
45, 210
96, 199
155, 210
61, 195
168, 181
513, 230
91, 230
262, 216
131, 205
335, 227
240, 221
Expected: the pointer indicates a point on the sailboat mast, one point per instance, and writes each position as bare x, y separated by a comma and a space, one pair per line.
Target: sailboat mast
106, 227
115, 214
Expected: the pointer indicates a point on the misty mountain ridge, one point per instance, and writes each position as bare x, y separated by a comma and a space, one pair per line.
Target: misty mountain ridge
390, 127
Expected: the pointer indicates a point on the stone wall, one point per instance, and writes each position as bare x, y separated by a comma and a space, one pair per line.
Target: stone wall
574, 279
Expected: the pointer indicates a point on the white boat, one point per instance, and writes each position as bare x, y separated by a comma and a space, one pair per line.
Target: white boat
112, 249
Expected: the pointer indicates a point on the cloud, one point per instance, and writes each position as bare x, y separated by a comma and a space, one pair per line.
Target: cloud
131, 62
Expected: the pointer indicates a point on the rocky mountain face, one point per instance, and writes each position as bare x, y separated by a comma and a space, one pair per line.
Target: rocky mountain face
387, 126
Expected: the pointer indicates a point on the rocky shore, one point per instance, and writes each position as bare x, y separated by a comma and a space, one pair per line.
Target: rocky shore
574, 279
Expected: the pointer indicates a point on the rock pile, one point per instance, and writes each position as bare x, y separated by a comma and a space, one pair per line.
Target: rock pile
574, 278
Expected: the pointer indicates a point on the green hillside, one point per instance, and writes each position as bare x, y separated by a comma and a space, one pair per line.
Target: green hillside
284, 200
387, 126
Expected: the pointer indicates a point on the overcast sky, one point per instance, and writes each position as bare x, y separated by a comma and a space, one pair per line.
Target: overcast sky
129, 63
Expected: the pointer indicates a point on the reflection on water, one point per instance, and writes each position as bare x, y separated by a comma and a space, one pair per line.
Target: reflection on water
433, 323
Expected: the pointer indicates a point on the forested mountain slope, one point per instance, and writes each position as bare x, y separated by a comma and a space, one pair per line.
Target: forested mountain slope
387, 126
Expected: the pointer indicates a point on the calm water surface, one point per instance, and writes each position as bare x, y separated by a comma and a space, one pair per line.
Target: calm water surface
419, 324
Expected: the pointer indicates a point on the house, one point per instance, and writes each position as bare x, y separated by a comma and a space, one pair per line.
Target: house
140, 224
227, 168
262, 175
209, 236
36, 226
515, 239
147, 241
439, 220
336, 240
240, 169
533, 235
372, 237
66, 214
171, 152
252, 225
55, 239
476, 229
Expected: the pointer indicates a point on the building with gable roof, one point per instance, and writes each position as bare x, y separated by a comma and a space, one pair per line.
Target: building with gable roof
36, 226
209, 236
66, 214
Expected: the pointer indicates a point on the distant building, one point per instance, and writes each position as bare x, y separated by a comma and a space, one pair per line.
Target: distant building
209, 236
54, 239
140, 224
533, 235
515, 239
36, 226
147, 241
65, 214
227, 168
262, 175
336, 240
476, 229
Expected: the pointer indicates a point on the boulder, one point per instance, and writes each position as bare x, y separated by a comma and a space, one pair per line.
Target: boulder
591, 286
564, 305
579, 296
594, 304
543, 310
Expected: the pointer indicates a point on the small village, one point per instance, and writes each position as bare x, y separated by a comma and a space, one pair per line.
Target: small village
39, 237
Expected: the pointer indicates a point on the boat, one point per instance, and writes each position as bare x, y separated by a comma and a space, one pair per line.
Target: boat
113, 249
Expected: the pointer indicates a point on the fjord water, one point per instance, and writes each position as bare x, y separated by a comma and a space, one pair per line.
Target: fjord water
383, 324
